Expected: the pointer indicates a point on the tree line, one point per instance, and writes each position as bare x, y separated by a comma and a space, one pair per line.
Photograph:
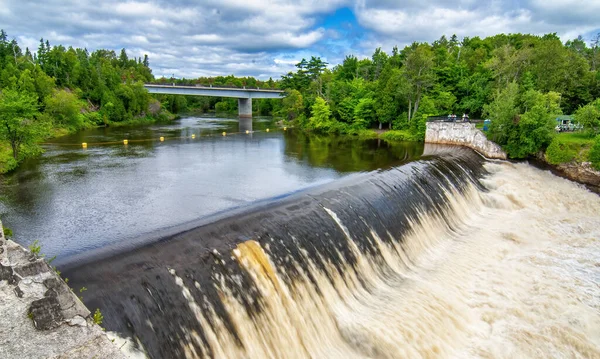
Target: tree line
520, 81
57, 89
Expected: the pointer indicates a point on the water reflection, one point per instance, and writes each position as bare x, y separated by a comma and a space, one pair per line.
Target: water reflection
73, 199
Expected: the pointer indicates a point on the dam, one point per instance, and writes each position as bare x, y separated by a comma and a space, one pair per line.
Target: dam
422, 260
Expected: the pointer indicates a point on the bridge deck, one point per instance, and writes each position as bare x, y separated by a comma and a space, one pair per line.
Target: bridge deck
214, 91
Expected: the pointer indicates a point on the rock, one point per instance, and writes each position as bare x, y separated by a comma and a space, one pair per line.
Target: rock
580, 172
33, 298
77, 321
463, 134
33, 268
6, 273
46, 313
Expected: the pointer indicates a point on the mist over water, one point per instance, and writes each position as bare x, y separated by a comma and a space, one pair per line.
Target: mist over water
446, 257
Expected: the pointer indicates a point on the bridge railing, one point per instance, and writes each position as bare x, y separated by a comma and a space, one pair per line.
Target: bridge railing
192, 84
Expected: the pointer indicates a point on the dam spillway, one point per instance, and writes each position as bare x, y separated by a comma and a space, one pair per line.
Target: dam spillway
421, 260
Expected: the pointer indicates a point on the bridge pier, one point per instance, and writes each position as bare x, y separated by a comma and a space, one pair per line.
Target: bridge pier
245, 107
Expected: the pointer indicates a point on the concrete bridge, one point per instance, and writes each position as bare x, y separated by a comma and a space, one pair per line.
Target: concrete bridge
244, 95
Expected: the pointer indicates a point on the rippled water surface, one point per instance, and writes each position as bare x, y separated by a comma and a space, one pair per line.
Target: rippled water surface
74, 199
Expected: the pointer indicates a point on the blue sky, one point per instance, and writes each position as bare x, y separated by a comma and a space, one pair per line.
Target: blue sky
265, 38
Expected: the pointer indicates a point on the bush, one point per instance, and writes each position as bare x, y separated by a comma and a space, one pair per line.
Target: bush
594, 155
7, 232
399, 135
559, 152
98, 317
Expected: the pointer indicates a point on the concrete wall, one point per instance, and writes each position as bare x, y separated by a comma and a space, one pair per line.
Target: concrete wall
40, 316
245, 107
463, 134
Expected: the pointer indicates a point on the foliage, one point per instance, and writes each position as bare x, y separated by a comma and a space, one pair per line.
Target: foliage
522, 134
64, 108
559, 152
18, 123
98, 317
320, 118
35, 248
7, 231
399, 135
589, 117
594, 155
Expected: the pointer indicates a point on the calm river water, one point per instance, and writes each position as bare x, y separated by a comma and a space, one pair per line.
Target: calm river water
73, 200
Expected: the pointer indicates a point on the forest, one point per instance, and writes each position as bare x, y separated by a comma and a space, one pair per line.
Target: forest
521, 82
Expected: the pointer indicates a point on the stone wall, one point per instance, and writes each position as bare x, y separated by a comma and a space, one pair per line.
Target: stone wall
463, 134
40, 316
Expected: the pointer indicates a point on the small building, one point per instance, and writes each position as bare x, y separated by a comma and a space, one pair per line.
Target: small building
566, 123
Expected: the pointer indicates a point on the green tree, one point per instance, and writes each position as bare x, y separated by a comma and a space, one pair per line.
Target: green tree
18, 125
418, 70
64, 107
320, 119
293, 105
589, 117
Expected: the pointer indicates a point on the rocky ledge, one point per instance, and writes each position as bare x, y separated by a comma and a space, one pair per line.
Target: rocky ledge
580, 172
463, 134
40, 316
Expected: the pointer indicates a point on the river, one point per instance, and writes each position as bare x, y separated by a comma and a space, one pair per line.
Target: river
73, 200
357, 250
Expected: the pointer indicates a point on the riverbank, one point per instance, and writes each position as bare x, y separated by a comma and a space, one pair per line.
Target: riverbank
8, 163
567, 156
41, 315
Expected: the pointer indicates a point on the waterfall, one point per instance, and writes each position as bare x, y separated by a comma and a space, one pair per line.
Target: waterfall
428, 259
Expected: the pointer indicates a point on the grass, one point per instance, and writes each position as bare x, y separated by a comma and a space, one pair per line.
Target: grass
576, 138
578, 143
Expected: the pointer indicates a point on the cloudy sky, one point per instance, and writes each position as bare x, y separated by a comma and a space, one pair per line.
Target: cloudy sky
265, 38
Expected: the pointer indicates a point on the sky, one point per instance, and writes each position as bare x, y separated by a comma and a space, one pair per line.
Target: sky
265, 38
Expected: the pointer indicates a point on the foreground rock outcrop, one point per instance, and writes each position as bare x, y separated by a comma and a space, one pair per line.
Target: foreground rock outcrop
40, 316
463, 134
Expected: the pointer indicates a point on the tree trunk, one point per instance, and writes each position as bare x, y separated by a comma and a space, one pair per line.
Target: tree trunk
15, 150
409, 109
380, 124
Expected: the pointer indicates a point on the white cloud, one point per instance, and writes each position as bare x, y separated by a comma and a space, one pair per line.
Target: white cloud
267, 37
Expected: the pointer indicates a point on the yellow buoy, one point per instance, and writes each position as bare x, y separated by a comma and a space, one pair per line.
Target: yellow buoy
125, 142
84, 145
162, 139
285, 128
247, 131
224, 133
267, 130
193, 136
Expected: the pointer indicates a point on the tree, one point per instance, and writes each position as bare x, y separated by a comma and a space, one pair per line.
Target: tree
18, 125
293, 105
364, 112
320, 119
589, 117
64, 107
522, 135
418, 70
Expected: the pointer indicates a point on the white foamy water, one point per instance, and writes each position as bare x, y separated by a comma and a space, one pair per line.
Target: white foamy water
515, 275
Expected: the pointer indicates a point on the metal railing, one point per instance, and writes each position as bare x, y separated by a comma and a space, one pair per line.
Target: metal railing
216, 87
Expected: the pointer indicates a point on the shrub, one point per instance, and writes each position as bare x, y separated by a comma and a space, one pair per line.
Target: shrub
594, 155
7, 232
399, 135
98, 318
35, 248
559, 152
